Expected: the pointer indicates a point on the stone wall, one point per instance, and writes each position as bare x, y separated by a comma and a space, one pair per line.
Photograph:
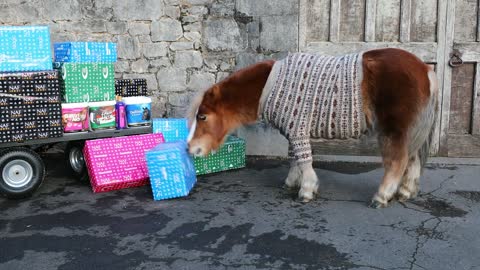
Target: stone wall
179, 46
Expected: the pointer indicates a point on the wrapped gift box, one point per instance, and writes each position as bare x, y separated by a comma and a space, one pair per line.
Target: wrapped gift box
86, 82
171, 170
173, 129
116, 163
25, 48
84, 52
29, 106
231, 155
131, 87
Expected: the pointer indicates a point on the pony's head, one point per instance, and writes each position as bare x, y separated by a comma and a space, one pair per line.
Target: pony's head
209, 122
225, 106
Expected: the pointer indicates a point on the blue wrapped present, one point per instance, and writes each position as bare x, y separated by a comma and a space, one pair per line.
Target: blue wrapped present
171, 170
173, 129
85, 52
25, 48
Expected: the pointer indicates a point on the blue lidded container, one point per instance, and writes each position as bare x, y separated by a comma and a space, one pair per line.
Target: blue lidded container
138, 110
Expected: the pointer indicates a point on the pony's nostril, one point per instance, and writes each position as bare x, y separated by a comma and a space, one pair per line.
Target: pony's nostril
198, 151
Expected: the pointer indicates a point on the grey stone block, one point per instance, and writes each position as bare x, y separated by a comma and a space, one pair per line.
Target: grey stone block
179, 99
172, 2
117, 28
137, 10
193, 36
200, 81
172, 12
172, 79
127, 47
225, 8
138, 28
166, 29
193, 27
198, 2
140, 66
263, 140
186, 59
122, 66
144, 39
267, 7
162, 62
57, 10
221, 34
181, 46
154, 50
159, 106
279, 33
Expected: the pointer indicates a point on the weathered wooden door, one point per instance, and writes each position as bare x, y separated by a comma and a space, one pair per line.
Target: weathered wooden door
460, 125
423, 27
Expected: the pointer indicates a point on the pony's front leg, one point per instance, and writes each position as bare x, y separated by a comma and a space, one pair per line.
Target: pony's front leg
308, 182
293, 179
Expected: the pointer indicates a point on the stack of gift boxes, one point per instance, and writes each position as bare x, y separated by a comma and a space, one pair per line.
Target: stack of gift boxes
79, 93
29, 87
87, 84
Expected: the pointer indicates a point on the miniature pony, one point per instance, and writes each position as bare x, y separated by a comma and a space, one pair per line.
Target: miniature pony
389, 92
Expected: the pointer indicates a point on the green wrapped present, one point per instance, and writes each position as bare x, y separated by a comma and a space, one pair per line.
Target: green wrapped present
86, 82
231, 155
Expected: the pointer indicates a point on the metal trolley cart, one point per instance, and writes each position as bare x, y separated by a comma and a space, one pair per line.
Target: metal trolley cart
22, 169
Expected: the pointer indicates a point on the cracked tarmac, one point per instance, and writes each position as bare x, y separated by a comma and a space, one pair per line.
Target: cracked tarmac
243, 219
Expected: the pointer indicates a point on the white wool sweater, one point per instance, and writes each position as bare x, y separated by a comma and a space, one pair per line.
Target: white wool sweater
308, 95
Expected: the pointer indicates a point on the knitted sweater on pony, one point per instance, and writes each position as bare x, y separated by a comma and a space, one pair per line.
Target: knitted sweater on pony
314, 96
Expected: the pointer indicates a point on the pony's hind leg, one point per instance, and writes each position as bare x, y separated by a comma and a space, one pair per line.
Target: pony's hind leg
395, 159
410, 180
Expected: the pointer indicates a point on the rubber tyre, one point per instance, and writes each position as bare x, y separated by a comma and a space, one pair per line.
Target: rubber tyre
21, 172
76, 162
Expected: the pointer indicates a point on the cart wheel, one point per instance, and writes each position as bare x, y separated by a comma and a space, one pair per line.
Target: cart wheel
74, 157
22, 172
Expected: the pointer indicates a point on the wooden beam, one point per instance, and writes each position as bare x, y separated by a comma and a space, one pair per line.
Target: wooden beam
334, 20
427, 51
476, 102
447, 77
370, 17
405, 20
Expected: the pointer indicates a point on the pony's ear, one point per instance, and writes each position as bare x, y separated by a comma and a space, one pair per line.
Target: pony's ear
213, 93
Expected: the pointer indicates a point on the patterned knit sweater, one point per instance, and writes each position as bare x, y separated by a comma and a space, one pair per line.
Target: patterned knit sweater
316, 96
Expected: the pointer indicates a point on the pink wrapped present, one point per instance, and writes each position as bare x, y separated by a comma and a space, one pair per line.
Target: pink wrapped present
116, 163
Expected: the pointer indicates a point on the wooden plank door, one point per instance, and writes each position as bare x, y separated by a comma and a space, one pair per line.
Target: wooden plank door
344, 26
460, 125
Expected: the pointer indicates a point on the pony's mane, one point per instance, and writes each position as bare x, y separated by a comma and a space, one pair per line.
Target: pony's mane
194, 104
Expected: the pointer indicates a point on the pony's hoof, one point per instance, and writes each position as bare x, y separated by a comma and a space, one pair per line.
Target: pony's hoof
288, 188
378, 202
404, 194
305, 197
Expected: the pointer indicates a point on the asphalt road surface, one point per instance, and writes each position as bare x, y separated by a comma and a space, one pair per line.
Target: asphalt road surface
243, 219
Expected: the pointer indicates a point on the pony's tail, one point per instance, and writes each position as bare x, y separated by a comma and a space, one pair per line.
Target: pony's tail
431, 117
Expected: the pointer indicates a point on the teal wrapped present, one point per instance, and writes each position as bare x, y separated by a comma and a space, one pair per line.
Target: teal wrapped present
85, 52
25, 48
173, 129
171, 170
231, 155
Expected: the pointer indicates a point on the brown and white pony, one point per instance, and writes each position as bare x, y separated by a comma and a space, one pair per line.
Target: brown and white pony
399, 95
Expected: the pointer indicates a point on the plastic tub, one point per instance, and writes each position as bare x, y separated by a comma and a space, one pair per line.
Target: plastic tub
75, 117
102, 115
139, 110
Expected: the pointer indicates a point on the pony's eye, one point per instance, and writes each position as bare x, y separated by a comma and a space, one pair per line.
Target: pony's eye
202, 117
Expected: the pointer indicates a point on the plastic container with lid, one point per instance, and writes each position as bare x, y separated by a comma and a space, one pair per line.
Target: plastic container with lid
75, 117
139, 110
102, 115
